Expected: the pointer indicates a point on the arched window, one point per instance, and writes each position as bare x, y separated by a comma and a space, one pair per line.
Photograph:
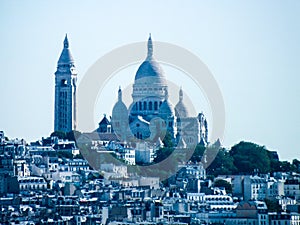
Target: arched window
145, 105
150, 105
140, 106
64, 82
155, 105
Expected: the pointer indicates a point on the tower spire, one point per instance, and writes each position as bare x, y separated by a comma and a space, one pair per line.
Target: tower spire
119, 94
66, 56
66, 42
180, 94
150, 47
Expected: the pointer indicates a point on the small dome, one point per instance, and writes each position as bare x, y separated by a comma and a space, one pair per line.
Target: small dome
181, 111
120, 109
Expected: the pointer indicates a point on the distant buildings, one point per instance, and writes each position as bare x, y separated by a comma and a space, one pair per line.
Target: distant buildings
41, 185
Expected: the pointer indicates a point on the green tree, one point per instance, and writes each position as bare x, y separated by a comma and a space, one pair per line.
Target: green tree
167, 141
79, 156
286, 166
65, 154
273, 205
222, 164
223, 183
296, 164
248, 157
198, 153
72, 135
162, 154
59, 134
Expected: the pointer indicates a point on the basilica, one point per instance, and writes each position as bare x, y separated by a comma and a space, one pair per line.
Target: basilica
148, 119
151, 116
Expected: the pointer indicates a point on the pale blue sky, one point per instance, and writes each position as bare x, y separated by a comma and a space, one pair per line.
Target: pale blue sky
252, 48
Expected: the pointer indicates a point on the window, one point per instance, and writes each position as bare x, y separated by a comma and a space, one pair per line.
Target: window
64, 82
150, 105
155, 105
145, 105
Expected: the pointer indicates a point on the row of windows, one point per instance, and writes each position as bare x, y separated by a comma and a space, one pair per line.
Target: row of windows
147, 105
218, 199
280, 222
149, 89
34, 187
31, 180
259, 191
290, 188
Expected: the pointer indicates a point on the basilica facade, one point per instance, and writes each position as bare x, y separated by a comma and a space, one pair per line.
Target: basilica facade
151, 116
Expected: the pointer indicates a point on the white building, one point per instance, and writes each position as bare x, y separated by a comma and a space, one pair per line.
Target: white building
144, 153
65, 91
110, 170
32, 183
75, 165
255, 188
21, 168
219, 202
275, 188
151, 114
127, 154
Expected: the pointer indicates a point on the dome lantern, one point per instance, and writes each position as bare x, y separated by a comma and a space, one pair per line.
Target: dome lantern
150, 48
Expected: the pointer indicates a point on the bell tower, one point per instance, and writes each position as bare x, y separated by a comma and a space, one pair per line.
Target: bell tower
65, 91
